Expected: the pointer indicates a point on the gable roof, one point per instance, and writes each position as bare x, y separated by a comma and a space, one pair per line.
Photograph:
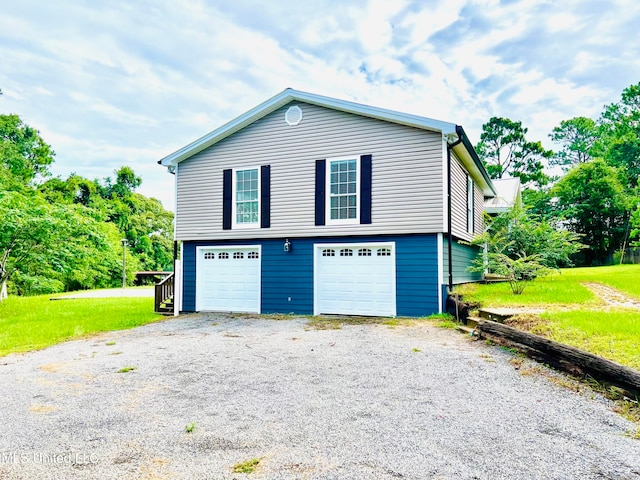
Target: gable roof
464, 150
507, 195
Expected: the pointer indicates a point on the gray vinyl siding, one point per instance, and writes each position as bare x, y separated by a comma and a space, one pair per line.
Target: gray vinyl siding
478, 197
459, 201
407, 184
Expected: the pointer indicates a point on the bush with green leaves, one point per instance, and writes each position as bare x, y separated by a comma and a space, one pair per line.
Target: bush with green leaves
521, 247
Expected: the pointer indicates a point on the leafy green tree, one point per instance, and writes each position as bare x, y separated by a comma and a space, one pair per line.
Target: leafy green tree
592, 199
576, 137
619, 135
521, 247
66, 234
634, 221
46, 248
146, 225
22, 151
506, 152
540, 202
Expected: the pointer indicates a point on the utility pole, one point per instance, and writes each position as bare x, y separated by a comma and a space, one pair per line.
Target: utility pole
124, 262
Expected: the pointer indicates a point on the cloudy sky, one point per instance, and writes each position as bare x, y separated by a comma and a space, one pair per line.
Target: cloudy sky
112, 83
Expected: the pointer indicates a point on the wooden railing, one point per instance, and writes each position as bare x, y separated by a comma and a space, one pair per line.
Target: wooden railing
164, 292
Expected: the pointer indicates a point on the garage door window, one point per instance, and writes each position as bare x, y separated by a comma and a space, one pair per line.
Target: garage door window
209, 256
346, 252
384, 252
364, 252
328, 252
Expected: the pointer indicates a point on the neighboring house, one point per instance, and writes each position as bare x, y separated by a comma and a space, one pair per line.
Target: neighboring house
508, 194
313, 205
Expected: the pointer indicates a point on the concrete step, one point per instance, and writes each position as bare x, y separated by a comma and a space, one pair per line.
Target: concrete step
466, 330
473, 321
497, 314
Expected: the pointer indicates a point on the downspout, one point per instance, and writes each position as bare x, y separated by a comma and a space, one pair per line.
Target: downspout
450, 146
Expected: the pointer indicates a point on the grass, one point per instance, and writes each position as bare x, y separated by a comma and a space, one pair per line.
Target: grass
563, 288
572, 314
246, 467
127, 369
610, 334
32, 323
190, 428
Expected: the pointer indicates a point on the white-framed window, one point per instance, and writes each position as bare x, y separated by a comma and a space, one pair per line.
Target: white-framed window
343, 187
246, 197
470, 206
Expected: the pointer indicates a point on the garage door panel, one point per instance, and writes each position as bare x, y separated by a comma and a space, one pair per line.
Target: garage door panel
228, 279
355, 280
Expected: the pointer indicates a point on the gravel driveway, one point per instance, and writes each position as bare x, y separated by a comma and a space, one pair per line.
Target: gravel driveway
362, 402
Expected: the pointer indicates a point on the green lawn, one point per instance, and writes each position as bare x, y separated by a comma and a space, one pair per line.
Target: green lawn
30, 323
573, 314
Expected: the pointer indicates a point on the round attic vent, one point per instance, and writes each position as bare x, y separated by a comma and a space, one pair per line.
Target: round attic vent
293, 115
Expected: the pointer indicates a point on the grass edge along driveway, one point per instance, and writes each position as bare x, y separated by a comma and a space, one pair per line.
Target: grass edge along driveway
33, 323
569, 312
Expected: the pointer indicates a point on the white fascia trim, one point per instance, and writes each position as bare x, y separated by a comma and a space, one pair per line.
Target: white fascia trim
445, 184
175, 203
290, 95
463, 157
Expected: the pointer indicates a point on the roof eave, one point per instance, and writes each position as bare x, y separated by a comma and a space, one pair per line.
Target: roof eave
474, 164
289, 95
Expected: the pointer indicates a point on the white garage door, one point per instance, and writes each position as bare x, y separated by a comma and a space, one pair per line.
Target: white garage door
228, 279
355, 279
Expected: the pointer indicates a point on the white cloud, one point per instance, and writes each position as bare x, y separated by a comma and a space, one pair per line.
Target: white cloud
120, 82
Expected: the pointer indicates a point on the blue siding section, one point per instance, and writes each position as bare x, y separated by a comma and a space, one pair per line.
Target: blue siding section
462, 256
287, 278
417, 275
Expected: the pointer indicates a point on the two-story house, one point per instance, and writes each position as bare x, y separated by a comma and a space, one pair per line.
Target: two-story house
314, 205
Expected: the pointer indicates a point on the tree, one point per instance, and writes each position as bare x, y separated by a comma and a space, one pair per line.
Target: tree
28, 231
22, 151
521, 247
577, 137
146, 225
48, 248
506, 152
592, 200
619, 135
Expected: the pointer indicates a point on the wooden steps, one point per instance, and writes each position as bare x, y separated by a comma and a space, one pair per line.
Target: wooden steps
497, 314
494, 314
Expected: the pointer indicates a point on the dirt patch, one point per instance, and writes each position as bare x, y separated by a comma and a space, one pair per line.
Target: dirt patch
612, 296
529, 322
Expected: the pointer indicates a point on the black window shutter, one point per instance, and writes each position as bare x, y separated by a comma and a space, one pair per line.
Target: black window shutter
265, 196
321, 181
227, 198
365, 189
